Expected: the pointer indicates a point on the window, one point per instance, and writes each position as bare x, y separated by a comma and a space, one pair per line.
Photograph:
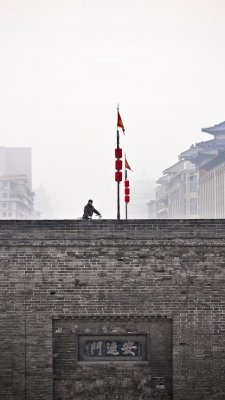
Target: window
4, 205
193, 206
4, 214
193, 183
5, 194
193, 186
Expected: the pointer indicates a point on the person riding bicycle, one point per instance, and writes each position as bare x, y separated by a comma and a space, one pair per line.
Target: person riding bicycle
89, 210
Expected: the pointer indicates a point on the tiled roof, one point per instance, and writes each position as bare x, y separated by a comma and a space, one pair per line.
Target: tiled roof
215, 130
219, 158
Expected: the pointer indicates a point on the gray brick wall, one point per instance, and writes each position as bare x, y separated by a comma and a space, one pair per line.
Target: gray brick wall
109, 276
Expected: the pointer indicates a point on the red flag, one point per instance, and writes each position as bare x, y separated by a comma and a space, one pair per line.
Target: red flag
127, 166
120, 122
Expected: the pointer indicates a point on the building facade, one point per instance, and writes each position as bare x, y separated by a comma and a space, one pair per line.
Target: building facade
209, 159
212, 191
176, 193
162, 198
194, 187
16, 196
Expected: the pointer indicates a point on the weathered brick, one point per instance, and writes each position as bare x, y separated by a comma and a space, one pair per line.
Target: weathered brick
162, 277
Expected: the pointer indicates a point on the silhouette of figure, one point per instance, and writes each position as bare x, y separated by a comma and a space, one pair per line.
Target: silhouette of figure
89, 210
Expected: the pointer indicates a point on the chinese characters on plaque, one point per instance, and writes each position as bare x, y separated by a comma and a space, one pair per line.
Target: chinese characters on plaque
109, 348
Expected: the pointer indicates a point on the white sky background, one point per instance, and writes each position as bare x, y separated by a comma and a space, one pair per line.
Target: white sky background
64, 66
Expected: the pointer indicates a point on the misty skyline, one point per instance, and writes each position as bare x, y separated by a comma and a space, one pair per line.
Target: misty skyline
65, 66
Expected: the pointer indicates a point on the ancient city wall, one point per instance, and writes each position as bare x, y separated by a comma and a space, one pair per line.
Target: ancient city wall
112, 310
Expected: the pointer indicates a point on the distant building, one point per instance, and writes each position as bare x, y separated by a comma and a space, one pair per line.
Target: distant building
194, 187
151, 205
42, 204
141, 191
209, 158
162, 198
176, 195
16, 196
16, 161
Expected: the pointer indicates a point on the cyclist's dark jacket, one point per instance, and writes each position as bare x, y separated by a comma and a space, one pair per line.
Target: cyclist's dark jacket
89, 210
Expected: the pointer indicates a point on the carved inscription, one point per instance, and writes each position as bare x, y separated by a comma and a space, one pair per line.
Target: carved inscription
112, 348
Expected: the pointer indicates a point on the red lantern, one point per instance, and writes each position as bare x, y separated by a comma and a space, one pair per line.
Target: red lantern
118, 176
127, 184
127, 191
127, 199
118, 165
118, 153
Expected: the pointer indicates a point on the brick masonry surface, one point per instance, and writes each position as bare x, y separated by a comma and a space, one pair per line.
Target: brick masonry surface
161, 279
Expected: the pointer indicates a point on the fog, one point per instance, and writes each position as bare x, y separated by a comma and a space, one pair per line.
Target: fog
65, 65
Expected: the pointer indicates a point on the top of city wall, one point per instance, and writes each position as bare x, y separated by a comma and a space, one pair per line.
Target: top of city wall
75, 230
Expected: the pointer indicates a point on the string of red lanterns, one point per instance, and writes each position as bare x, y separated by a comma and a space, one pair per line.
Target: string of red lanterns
126, 190
118, 165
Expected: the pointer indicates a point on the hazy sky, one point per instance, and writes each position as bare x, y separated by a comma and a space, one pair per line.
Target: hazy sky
66, 64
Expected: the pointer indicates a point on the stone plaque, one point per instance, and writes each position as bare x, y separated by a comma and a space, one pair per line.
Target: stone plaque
112, 348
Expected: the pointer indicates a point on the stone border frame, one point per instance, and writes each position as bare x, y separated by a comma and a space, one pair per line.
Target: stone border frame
123, 318
115, 317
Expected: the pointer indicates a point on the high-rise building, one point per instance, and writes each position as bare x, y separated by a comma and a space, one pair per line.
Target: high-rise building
16, 196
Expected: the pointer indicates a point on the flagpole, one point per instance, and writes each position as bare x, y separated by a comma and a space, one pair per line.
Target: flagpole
118, 183
125, 202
